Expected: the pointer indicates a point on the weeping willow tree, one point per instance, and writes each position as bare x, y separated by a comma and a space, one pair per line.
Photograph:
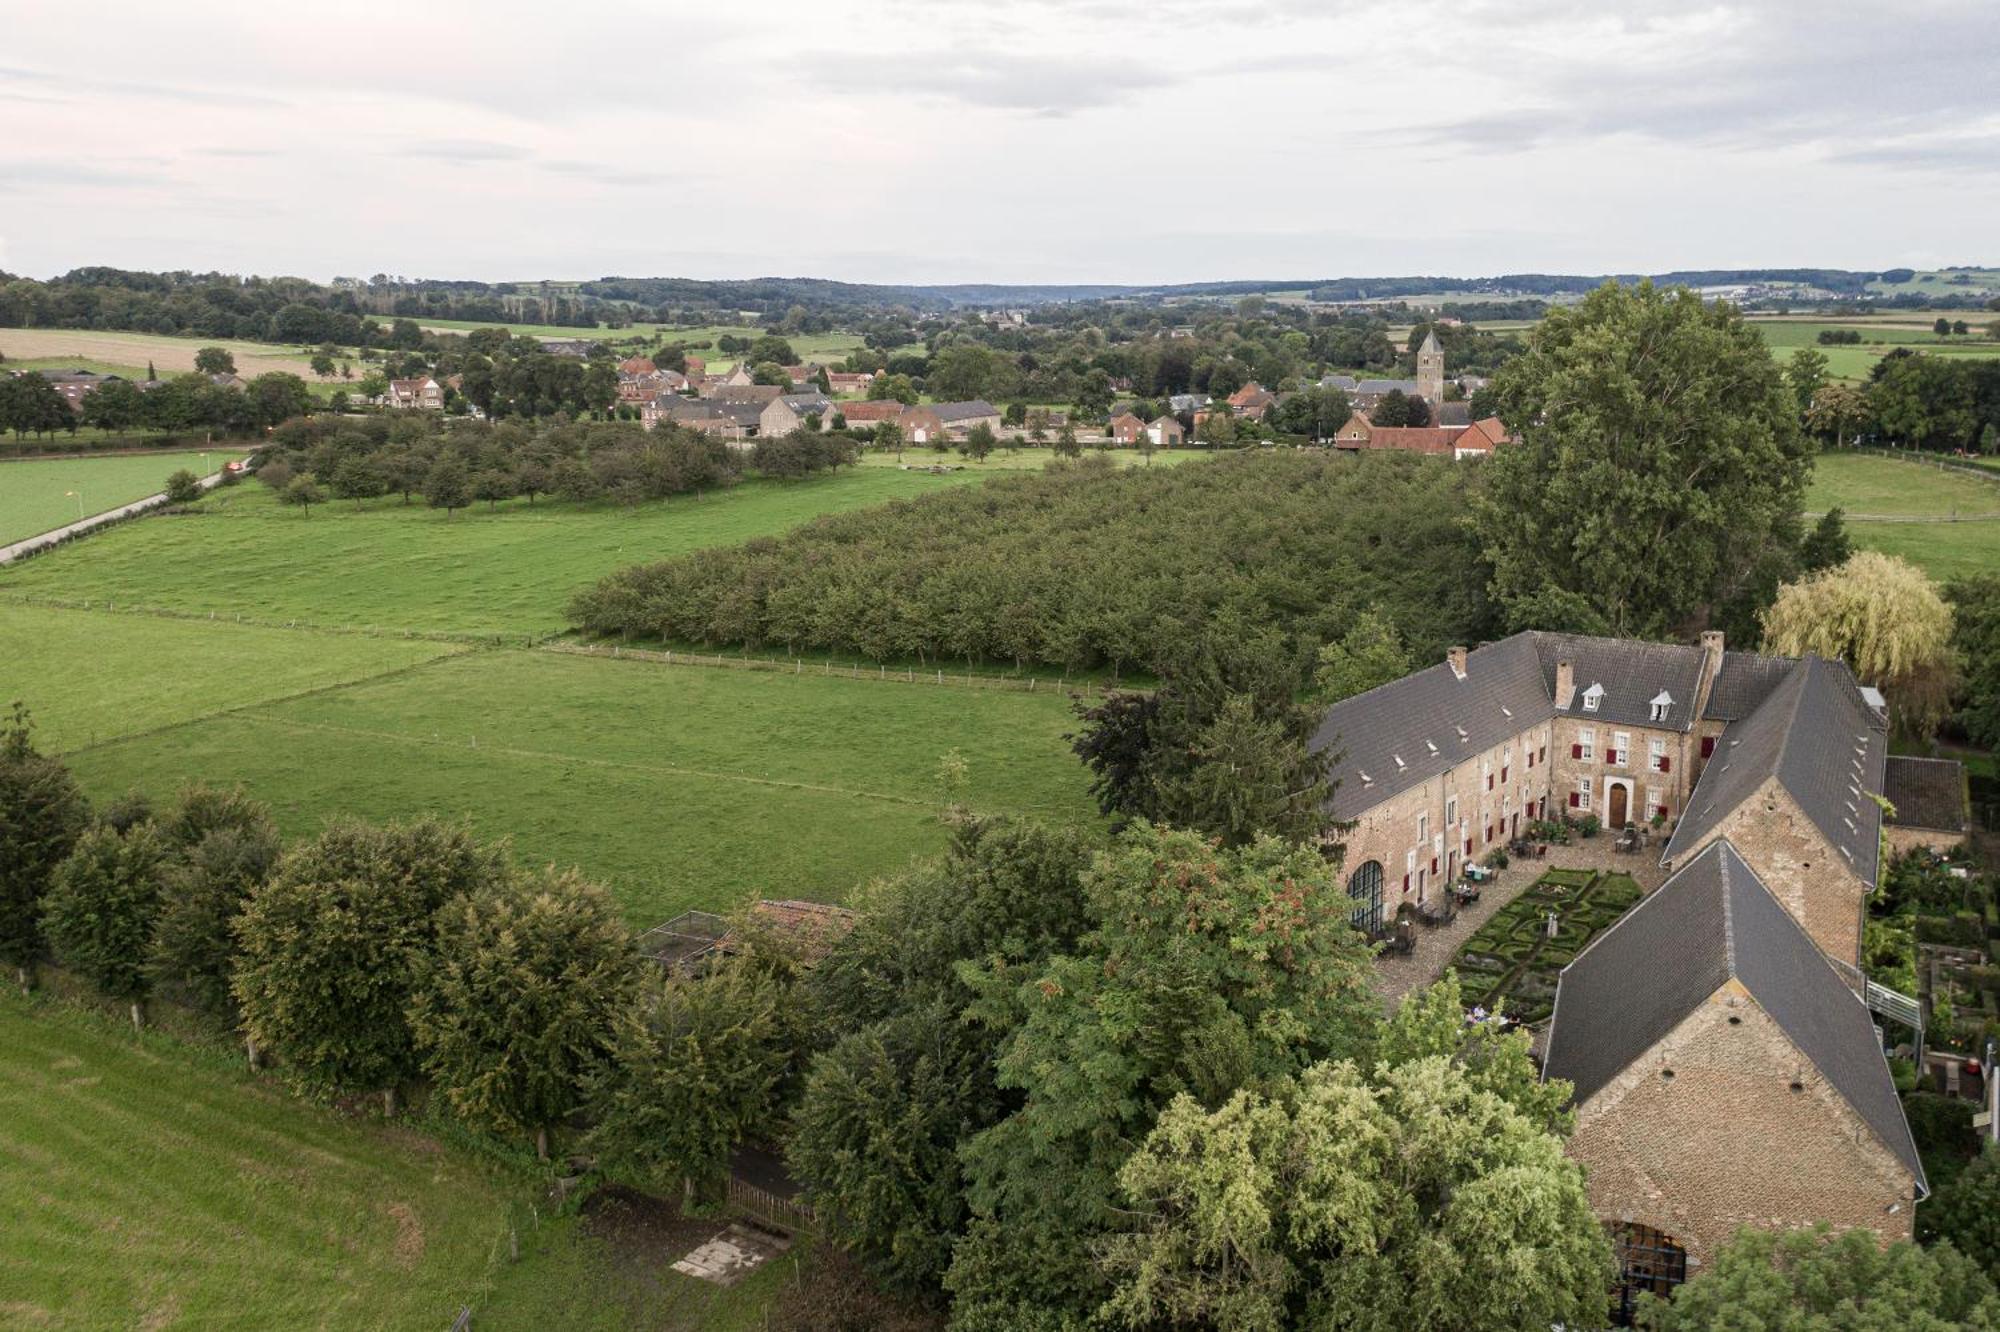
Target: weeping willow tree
1885, 619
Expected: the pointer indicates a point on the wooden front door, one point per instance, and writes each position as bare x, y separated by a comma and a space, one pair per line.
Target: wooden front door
1618, 799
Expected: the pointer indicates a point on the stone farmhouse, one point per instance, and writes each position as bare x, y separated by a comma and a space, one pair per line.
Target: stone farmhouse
1727, 1070
1478, 440
1725, 1076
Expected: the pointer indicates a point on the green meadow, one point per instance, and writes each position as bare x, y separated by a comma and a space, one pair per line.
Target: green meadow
41, 494
1949, 520
151, 1183
1879, 336
483, 571
676, 786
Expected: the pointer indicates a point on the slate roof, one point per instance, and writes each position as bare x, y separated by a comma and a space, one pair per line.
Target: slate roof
1632, 673
805, 404
1409, 386
1825, 746
951, 413
1457, 414
1416, 720
757, 393
1925, 792
1712, 921
1745, 680
1345, 383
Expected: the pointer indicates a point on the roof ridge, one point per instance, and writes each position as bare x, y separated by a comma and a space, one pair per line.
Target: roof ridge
1726, 852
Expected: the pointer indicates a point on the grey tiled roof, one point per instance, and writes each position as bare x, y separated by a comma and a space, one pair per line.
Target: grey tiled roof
1416, 720
806, 403
950, 412
1345, 383
1745, 680
1633, 674
1925, 792
1454, 414
1713, 920
1408, 386
1826, 748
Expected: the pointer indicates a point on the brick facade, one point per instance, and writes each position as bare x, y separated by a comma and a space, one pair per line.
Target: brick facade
1746, 1132
1802, 870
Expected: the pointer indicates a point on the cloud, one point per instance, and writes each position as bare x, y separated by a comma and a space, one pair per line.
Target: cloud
1937, 153
17, 176
600, 174
981, 76
463, 150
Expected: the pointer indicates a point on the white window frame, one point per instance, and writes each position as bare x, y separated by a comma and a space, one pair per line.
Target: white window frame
1583, 793
1587, 738
1620, 753
1423, 827
1658, 750
1653, 802
1450, 811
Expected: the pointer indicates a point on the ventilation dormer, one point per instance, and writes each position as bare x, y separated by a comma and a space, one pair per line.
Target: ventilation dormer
1593, 698
1662, 704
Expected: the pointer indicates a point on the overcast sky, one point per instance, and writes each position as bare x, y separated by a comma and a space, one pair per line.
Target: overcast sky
1010, 140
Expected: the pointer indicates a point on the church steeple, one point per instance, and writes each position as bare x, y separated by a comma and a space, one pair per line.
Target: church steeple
1430, 369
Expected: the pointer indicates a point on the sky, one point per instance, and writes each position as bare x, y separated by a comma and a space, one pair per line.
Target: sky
935, 141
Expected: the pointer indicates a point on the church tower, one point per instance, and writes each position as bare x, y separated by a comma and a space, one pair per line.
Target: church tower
1430, 370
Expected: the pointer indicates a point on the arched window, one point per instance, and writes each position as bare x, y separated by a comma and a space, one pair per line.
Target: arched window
1365, 887
1648, 1260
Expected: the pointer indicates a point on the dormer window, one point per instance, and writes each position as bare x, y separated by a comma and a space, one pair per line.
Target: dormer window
1663, 702
1366, 780
1400, 765
1430, 746
1592, 697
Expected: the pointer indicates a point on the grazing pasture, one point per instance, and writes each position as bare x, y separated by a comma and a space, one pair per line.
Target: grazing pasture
1879, 336
677, 786
40, 494
504, 570
1868, 483
1944, 550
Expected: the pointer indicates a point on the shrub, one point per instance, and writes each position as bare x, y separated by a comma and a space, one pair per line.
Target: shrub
1587, 826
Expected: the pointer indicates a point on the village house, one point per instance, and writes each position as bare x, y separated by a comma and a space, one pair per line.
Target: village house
782, 415
841, 382
1477, 440
1725, 1076
76, 385
869, 412
576, 348
424, 394
1929, 803
960, 418
1125, 428
1165, 433
921, 425
1252, 401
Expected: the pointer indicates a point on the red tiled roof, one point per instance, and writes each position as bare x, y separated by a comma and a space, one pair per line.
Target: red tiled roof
635, 366
1486, 433
857, 413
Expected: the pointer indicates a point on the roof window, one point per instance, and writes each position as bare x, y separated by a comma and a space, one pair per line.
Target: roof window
1662, 702
1592, 697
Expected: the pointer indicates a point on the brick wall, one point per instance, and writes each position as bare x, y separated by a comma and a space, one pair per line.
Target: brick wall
1388, 830
1727, 1142
1800, 867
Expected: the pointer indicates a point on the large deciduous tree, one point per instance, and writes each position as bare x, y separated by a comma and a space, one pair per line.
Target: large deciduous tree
1369, 654
42, 813
100, 909
1429, 1192
516, 1007
1885, 619
1975, 604
1660, 459
332, 947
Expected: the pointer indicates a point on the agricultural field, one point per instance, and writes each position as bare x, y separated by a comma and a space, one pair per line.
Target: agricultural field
1880, 334
1944, 520
1025, 459
1944, 282
1512, 963
151, 1183
503, 570
128, 353
676, 786
823, 347
41, 494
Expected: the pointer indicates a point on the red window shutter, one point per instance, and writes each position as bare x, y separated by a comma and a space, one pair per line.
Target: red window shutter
1489, 834
1503, 774
1707, 745
1666, 764
1545, 753
1468, 846
1489, 781
1576, 750
1663, 811
1575, 800
1406, 883
1434, 864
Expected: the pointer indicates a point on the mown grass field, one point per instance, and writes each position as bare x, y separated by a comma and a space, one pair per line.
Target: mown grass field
676, 786
36, 494
1956, 527
1866, 483
505, 570
150, 1183
1879, 336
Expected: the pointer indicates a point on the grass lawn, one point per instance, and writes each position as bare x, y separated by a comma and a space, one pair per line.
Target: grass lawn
147, 1185
676, 786
89, 677
508, 570
35, 493
1864, 483
1511, 962
1942, 550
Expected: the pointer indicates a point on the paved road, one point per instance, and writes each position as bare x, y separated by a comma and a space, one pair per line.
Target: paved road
88, 525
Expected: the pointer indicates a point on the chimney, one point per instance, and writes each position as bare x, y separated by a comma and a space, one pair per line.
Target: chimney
1456, 657
1711, 652
1565, 684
